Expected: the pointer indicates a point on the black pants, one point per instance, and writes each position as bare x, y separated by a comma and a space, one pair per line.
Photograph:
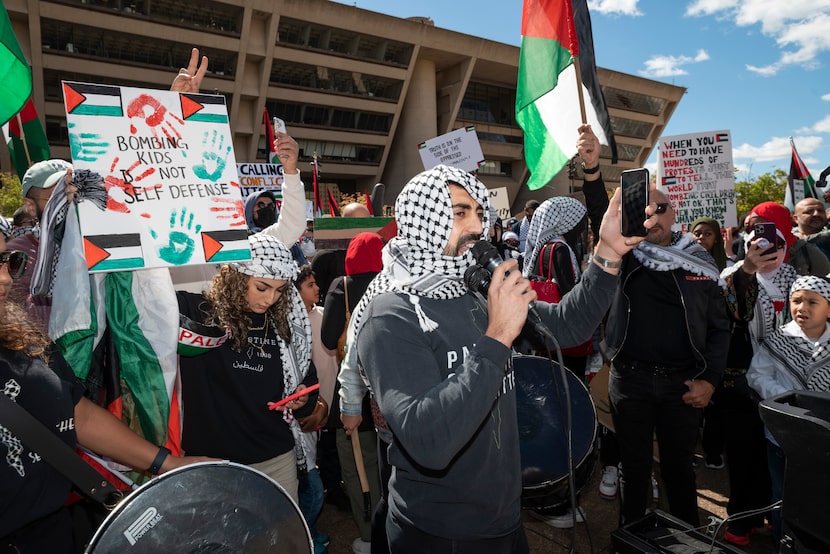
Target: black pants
644, 402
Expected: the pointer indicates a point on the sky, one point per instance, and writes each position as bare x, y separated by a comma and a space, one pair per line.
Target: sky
758, 68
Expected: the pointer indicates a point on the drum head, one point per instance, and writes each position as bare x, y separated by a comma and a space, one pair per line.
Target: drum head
207, 507
543, 432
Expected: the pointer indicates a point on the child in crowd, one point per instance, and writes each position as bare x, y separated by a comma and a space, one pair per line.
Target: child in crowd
794, 357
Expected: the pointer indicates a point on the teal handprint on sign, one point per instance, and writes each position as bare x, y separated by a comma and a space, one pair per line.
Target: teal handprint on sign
214, 157
86, 147
181, 242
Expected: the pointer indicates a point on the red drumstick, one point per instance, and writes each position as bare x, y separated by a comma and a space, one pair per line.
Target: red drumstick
295, 396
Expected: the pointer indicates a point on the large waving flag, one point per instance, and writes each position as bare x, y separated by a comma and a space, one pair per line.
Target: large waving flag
555, 33
800, 184
28, 142
15, 74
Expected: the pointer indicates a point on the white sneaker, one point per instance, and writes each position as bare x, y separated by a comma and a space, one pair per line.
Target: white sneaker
565, 521
359, 546
610, 482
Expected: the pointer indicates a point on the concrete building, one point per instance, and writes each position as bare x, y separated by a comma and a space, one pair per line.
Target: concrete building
361, 89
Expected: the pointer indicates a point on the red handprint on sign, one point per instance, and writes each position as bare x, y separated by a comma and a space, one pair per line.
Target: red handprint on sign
122, 191
157, 117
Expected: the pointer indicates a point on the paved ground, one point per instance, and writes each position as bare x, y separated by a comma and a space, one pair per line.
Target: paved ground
594, 536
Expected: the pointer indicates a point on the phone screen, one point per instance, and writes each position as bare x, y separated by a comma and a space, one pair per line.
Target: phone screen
634, 185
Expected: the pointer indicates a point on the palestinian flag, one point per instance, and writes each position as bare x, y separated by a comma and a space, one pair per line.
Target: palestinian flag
555, 33
334, 233
28, 142
800, 184
113, 252
86, 99
207, 108
226, 246
15, 73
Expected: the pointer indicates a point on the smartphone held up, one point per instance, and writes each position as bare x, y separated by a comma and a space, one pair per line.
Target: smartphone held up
634, 185
765, 236
279, 127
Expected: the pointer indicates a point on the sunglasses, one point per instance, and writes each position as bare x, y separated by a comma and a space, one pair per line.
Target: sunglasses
662, 207
261, 205
15, 262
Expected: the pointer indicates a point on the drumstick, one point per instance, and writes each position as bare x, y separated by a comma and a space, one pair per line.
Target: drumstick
361, 473
295, 396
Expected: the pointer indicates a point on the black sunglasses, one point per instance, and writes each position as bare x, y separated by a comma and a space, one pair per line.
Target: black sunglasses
15, 262
662, 207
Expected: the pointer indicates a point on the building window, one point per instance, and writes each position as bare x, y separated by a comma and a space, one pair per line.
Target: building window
488, 104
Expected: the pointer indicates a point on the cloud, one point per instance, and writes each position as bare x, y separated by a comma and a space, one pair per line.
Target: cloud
822, 126
777, 148
671, 66
801, 28
826, 97
614, 7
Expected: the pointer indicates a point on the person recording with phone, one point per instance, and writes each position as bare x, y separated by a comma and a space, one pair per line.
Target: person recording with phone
661, 380
438, 360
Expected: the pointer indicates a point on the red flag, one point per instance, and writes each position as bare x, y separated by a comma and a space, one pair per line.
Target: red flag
28, 142
269, 138
369, 203
318, 205
334, 209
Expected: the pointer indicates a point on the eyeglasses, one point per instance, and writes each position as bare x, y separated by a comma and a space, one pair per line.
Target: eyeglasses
262, 205
15, 262
662, 207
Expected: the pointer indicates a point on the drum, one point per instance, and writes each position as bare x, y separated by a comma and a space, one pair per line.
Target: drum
206, 507
543, 436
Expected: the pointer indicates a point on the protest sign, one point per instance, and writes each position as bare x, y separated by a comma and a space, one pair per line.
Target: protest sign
259, 176
160, 177
500, 202
459, 148
696, 173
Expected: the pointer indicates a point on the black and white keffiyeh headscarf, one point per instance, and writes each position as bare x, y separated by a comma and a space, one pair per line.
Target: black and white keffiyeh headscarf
682, 253
553, 218
413, 262
270, 259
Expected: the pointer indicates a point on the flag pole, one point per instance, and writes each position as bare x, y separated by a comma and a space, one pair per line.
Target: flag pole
23, 140
579, 89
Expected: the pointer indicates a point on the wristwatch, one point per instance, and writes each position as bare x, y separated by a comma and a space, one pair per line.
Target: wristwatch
602, 262
590, 171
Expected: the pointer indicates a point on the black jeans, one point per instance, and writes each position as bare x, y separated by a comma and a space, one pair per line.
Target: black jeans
404, 539
644, 402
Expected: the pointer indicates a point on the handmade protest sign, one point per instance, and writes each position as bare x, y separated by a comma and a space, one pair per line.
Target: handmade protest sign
260, 176
459, 148
158, 178
696, 173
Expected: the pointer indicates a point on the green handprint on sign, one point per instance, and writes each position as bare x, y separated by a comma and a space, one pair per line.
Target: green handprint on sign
86, 147
214, 157
181, 243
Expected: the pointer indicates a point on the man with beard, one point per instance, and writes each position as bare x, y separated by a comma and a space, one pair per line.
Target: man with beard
438, 360
37, 186
661, 379
810, 218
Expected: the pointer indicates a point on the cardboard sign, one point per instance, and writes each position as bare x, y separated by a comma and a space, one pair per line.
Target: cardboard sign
696, 173
259, 176
459, 148
160, 178
500, 202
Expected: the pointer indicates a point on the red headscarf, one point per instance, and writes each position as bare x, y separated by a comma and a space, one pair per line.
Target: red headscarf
364, 254
778, 214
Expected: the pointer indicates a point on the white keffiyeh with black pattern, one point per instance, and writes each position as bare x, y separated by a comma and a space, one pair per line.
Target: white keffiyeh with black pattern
553, 218
413, 262
682, 253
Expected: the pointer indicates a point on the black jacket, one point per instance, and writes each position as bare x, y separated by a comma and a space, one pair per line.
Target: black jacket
706, 319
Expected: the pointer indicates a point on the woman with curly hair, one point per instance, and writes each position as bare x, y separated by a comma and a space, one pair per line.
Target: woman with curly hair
33, 515
266, 356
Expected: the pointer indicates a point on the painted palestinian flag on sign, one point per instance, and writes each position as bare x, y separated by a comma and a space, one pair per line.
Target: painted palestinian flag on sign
204, 108
113, 252
226, 246
334, 233
87, 99
554, 33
